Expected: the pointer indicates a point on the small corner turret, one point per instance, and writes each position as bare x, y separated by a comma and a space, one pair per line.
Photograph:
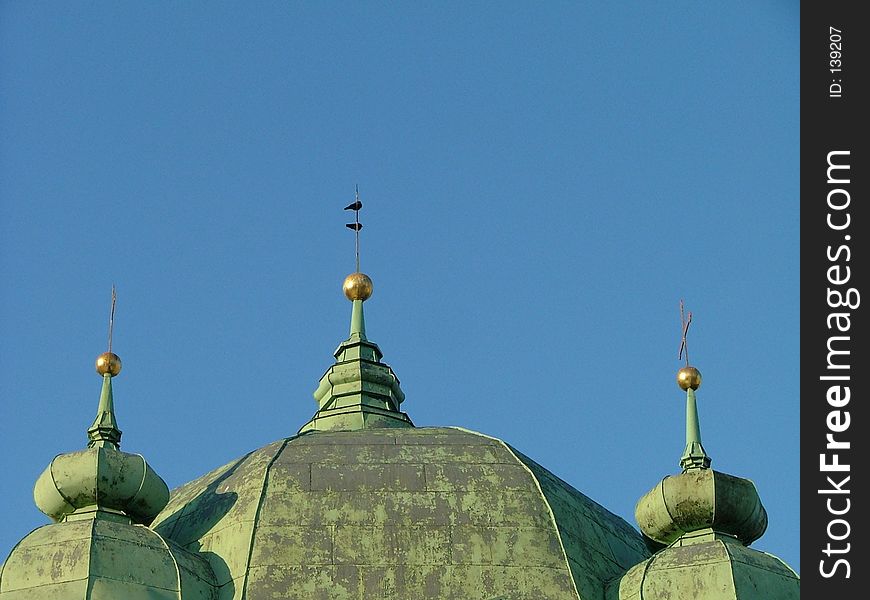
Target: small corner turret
703, 522
699, 504
101, 501
101, 482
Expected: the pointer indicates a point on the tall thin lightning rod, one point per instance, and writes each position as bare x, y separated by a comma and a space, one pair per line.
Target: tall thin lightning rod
112, 316
684, 345
356, 225
358, 204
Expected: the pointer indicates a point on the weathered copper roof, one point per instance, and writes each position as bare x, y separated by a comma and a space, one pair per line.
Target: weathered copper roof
101, 559
398, 513
717, 569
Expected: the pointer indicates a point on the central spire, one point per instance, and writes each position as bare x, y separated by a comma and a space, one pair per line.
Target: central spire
358, 391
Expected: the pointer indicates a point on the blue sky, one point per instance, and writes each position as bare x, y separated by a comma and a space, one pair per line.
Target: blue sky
542, 183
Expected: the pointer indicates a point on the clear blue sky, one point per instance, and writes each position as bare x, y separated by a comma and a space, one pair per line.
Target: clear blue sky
542, 183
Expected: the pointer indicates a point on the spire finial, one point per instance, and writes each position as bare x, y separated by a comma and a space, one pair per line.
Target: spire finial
357, 286
689, 380
104, 430
699, 505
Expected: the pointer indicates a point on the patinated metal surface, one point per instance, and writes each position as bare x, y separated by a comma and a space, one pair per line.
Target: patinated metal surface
699, 499
708, 518
99, 559
599, 548
408, 513
719, 569
100, 477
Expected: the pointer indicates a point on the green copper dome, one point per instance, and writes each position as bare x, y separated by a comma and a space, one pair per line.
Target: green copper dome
407, 513
707, 519
102, 479
361, 504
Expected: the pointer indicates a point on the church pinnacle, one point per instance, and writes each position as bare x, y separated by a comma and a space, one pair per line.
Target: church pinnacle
699, 504
358, 391
104, 431
101, 482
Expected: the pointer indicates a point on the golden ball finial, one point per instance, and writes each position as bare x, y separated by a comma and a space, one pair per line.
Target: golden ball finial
108, 362
357, 286
689, 377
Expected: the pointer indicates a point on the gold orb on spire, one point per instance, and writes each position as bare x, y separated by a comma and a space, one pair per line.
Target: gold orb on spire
357, 286
108, 362
689, 377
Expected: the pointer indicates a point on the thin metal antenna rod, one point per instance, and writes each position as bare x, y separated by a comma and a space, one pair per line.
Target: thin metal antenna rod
112, 316
356, 225
684, 345
358, 204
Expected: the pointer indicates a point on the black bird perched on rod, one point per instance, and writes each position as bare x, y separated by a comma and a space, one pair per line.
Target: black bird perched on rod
355, 207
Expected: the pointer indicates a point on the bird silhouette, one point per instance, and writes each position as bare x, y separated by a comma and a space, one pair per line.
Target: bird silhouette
355, 206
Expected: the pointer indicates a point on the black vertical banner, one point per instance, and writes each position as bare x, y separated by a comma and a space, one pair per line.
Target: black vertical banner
835, 369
